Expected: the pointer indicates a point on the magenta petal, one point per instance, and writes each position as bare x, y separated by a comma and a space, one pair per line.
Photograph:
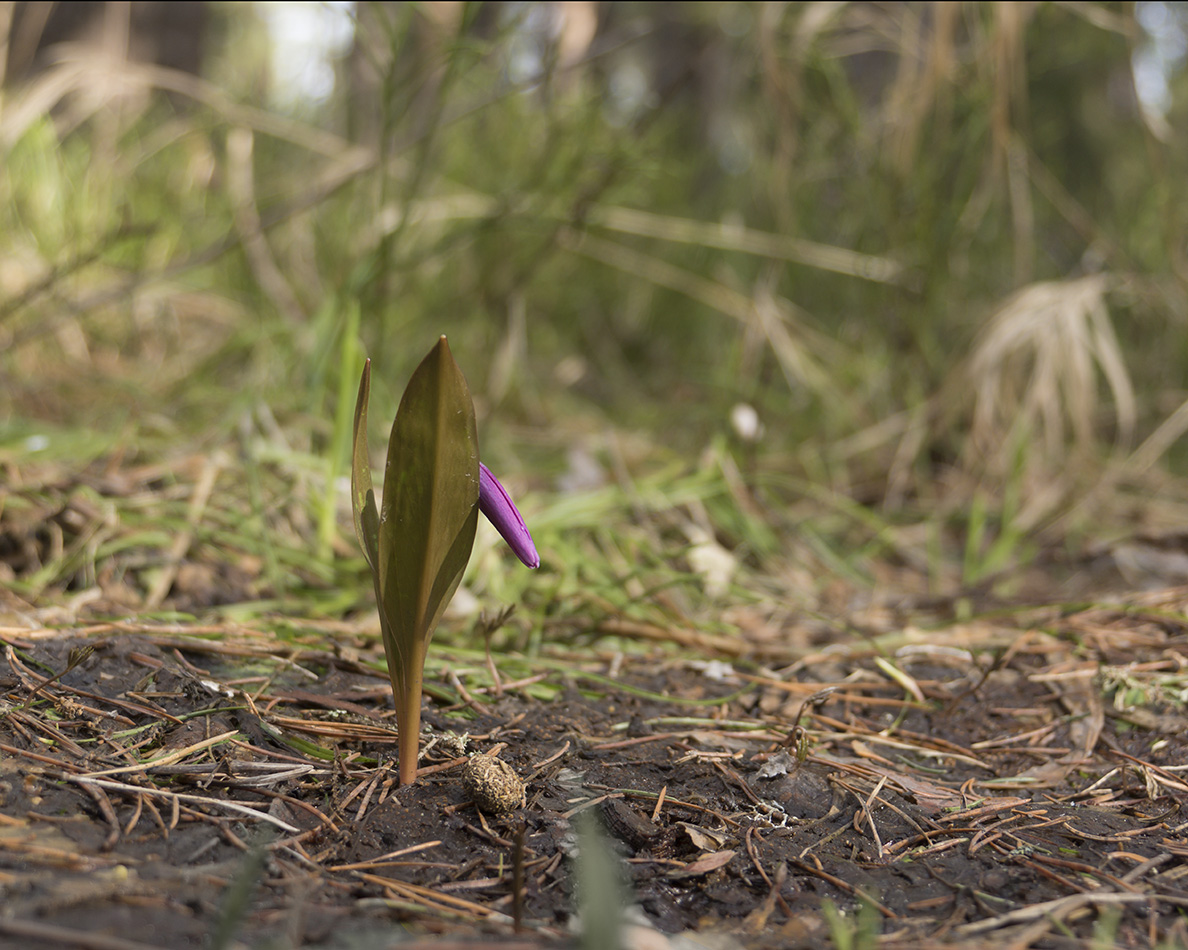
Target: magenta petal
501, 511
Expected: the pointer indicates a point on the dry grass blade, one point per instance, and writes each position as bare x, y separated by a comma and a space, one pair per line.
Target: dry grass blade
435, 901
209, 802
1156, 445
733, 237
1034, 375
49, 935
1054, 910
241, 186
168, 759
921, 79
795, 345
203, 489
98, 78
382, 859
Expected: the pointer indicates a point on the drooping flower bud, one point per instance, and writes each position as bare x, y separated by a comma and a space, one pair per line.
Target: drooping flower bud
496, 504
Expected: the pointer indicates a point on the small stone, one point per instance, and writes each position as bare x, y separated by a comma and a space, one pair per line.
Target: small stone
492, 784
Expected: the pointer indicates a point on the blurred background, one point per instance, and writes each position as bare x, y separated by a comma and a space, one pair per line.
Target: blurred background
778, 317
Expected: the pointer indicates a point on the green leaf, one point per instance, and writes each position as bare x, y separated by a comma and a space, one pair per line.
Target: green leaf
363, 504
362, 495
426, 527
431, 490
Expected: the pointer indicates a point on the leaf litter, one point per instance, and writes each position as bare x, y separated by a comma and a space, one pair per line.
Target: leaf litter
1010, 779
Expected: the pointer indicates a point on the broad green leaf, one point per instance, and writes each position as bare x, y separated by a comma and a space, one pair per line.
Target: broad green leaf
362, 495
430, 508
419, 543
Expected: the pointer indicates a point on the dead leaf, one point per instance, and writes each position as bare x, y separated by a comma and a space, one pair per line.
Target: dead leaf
703, 865
702, 840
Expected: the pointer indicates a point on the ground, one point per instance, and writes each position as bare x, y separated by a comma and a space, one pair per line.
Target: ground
1011, 780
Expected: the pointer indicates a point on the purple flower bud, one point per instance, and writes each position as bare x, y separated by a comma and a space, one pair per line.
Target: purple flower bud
501, 511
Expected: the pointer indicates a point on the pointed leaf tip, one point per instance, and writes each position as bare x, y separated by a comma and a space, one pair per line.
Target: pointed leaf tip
430, 504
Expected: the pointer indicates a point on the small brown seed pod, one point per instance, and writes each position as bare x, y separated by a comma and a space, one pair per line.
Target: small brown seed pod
492, 784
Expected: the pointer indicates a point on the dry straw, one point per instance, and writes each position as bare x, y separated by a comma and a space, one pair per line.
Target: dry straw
1034, 374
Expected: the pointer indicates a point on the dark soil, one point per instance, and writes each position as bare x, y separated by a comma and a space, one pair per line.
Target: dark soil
172, 791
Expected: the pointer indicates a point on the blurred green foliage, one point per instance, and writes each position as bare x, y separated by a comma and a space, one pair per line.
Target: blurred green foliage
624, 225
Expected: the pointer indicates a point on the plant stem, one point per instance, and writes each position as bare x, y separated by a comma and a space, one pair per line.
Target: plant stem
408, 719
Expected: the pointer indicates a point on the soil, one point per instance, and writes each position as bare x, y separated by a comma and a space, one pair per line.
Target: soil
188, 787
